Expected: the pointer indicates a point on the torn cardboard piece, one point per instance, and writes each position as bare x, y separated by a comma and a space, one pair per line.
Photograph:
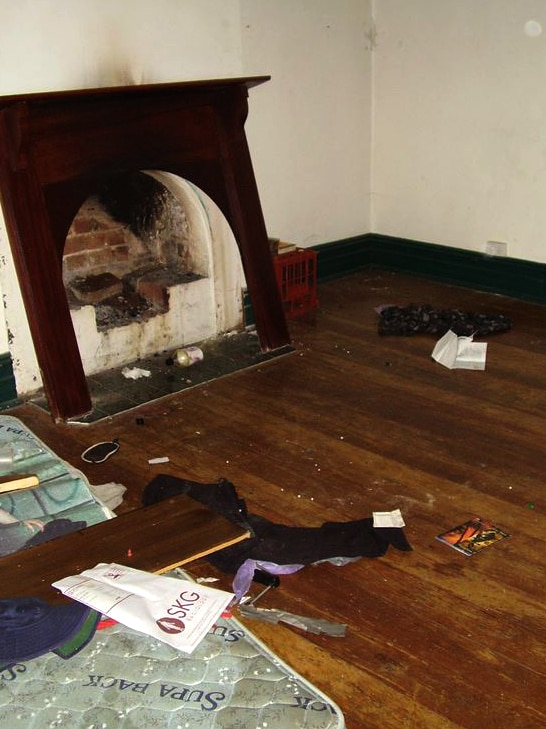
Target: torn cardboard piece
460, 353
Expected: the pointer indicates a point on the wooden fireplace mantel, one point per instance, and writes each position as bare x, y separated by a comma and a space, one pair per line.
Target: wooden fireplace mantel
55, 150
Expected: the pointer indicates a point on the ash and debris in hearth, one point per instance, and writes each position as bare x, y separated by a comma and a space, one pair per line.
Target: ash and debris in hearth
123, 309
95, 288
129, 247
136, 297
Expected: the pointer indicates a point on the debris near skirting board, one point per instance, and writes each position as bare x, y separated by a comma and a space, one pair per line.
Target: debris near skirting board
412, 319
160, 459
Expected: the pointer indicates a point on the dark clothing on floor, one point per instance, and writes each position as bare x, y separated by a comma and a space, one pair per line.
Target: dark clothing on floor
276, 542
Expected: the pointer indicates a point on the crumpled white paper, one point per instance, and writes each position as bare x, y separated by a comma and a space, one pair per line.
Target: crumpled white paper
460, 353
135, 373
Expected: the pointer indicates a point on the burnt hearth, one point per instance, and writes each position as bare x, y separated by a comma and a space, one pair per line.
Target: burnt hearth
119, 168
149, 265
127, 246
130, 239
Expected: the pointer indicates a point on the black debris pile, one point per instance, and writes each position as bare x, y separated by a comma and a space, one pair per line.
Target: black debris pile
412, 319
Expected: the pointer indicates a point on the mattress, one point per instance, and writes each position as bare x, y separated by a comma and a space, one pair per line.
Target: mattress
125, 680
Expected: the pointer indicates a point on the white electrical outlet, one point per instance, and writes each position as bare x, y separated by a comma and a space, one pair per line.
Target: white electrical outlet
496, 248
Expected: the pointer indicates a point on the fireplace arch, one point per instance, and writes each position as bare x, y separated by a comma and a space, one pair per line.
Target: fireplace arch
202, 301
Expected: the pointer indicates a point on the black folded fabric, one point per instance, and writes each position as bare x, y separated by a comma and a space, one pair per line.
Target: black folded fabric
279, 543
304, 545
221, 497
409, 320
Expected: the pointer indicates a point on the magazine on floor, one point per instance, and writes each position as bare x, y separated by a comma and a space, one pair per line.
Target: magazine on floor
472, 536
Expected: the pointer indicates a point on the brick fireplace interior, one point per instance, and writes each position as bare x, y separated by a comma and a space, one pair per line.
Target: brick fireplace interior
71, 157
149, 265
126, 245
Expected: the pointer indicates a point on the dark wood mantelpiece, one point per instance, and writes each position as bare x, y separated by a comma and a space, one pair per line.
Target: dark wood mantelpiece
55, 149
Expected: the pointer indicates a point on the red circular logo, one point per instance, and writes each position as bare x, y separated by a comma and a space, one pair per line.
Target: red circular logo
170, 625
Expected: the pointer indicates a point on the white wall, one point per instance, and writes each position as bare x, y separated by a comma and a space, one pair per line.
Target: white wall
308, 129
49, 45
460, 123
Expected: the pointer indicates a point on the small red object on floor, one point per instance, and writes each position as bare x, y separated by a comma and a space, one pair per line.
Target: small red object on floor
296, 274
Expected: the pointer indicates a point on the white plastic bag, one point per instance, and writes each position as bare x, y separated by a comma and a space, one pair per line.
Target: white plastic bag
177, 612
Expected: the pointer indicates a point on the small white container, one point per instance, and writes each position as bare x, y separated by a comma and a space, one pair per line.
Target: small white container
187, 356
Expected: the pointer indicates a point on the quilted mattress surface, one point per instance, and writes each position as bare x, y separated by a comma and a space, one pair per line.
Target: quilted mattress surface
123, 680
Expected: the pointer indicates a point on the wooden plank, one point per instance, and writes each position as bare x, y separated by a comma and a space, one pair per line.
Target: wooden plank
155, 538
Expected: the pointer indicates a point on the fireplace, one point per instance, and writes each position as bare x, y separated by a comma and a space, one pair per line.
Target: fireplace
58, 148
150, 264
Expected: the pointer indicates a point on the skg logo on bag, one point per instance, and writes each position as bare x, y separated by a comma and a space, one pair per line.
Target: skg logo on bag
171, 625
114, 573
172, 622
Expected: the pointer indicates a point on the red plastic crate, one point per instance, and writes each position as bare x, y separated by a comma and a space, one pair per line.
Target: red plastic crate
297, 280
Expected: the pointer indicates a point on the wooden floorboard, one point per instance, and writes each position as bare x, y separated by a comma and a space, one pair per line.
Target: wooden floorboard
155, 538
352, 422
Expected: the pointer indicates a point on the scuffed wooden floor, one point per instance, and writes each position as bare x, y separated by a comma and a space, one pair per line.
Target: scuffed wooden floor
351, 423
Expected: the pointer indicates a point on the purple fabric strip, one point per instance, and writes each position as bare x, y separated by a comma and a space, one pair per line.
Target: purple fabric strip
245, 573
